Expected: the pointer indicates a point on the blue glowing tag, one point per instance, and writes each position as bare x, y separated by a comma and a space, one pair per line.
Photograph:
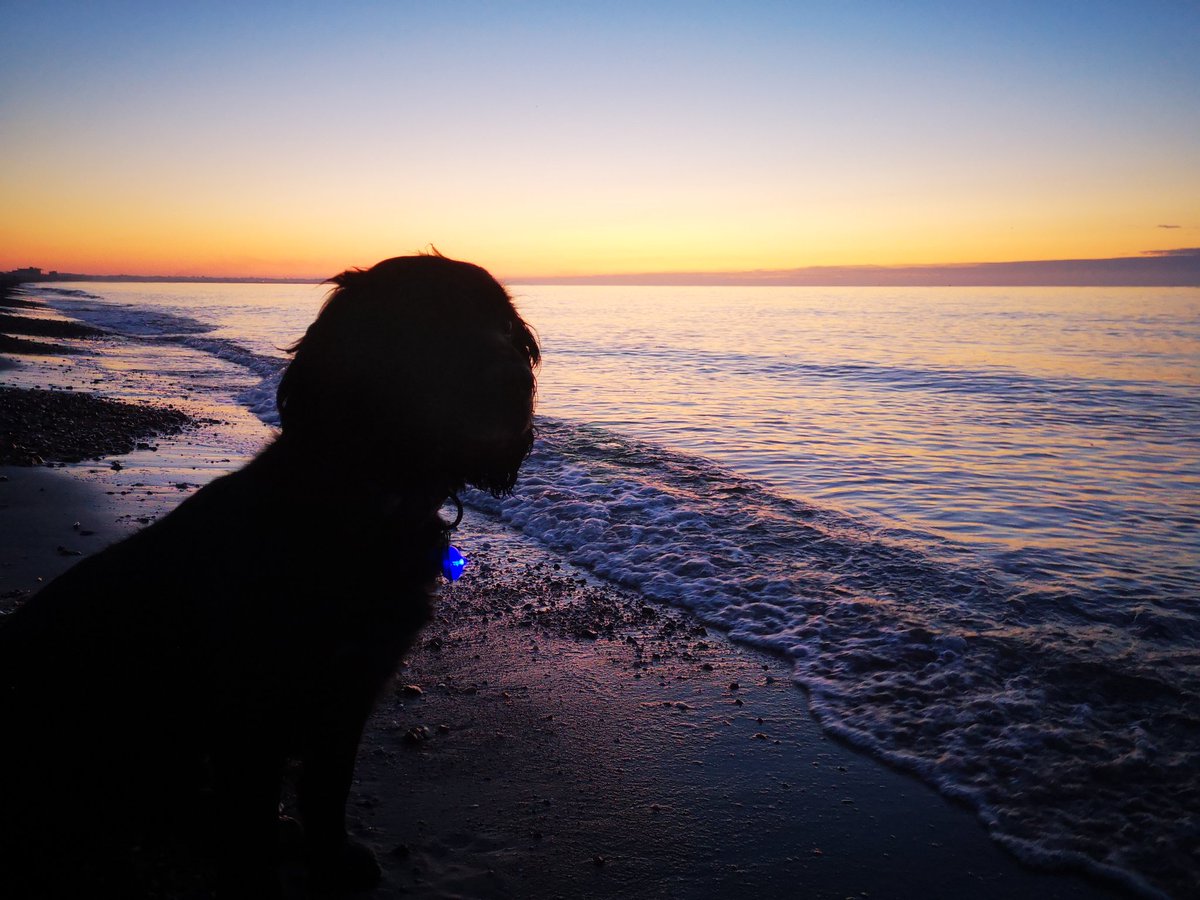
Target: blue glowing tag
453, 564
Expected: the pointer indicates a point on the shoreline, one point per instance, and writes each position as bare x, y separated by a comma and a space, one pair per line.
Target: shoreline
554, 736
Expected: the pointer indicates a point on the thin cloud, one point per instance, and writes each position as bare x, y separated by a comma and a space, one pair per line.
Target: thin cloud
1170, 226
1185, 252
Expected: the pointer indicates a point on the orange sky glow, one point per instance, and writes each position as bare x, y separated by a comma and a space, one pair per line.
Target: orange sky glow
569, 142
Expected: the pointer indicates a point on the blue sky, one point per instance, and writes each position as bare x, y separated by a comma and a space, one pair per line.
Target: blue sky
551, 138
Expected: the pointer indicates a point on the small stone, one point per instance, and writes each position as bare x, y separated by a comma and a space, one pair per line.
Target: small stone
412, 690
598, 860
759, 736
733, 685
416, 735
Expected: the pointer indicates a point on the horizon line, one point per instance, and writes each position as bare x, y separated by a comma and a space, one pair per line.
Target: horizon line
1178, 267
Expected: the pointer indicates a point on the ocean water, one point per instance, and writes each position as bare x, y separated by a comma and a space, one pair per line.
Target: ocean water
968, 516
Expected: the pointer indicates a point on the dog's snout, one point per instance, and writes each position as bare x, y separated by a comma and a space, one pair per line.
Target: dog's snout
510, 371
519, 378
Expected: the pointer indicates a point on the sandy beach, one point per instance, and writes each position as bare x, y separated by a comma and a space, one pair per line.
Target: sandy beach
552, 736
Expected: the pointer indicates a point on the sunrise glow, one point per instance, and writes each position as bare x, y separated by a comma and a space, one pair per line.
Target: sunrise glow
272, 141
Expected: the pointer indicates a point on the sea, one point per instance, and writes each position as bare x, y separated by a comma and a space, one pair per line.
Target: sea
968, 517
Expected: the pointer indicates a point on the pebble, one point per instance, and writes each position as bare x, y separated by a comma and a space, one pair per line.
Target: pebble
44, 426
416, 735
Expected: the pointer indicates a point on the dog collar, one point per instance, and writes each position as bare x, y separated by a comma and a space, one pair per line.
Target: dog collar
453, 562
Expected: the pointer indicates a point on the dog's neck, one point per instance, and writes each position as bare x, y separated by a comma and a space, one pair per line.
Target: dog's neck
328, 478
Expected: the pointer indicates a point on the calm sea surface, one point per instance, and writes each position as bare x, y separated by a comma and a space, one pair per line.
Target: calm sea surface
969, 515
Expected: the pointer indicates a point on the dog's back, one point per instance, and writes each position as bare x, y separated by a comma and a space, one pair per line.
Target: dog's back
231, 602
244, 624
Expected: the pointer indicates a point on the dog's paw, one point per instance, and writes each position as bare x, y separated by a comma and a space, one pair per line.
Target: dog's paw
249, 882
291, 838
348, 867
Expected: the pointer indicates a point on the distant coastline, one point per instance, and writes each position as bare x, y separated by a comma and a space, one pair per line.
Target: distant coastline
33, 274
1156, 268
1165, 268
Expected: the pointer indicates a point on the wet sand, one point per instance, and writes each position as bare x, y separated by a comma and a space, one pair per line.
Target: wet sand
551, 737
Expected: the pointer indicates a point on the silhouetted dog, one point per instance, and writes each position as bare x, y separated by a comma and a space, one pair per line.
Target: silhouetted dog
255, 624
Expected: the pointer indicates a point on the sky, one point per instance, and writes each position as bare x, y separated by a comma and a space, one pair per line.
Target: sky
548, 139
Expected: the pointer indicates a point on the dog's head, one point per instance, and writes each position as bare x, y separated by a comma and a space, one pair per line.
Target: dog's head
420, 364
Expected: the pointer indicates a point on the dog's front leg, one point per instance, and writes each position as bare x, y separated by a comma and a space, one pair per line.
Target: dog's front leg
247, 777
328, 769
